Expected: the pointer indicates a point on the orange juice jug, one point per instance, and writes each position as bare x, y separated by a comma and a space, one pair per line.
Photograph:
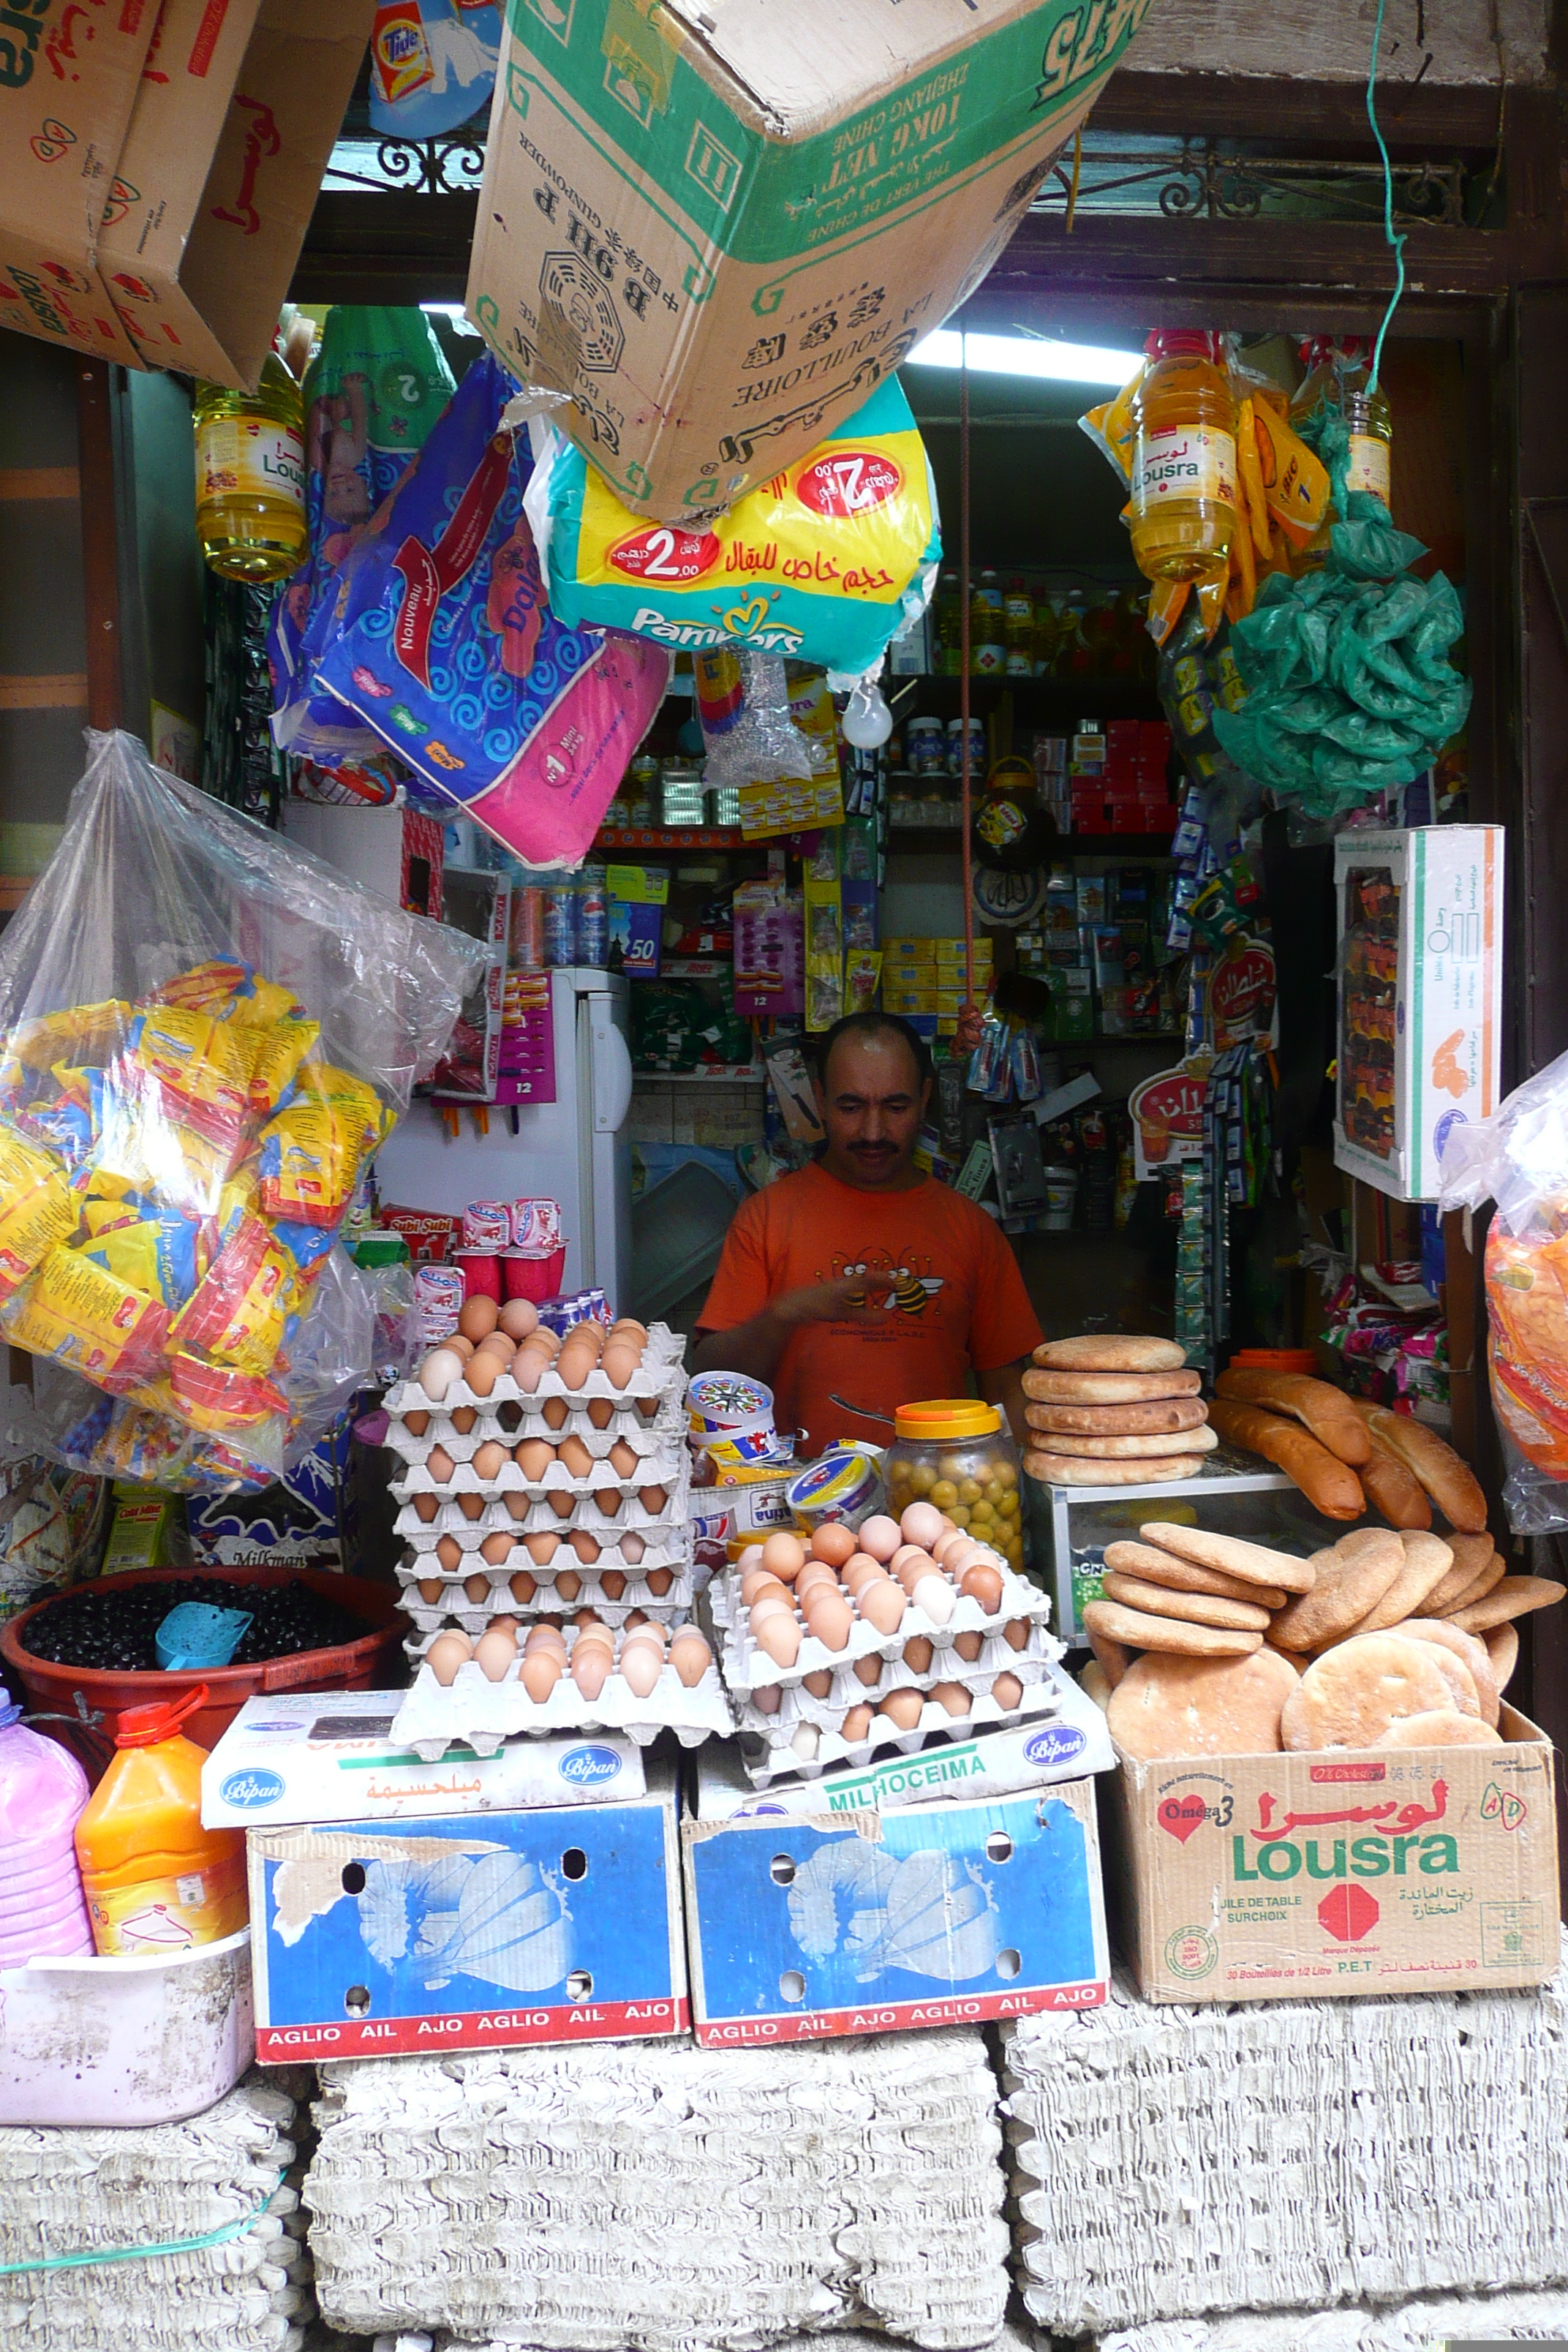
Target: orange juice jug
1184, 459
156, 1881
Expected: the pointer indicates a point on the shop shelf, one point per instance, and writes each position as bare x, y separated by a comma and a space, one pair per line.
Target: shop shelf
681, 837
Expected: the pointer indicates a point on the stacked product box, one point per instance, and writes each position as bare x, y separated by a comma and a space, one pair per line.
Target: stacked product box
923, 980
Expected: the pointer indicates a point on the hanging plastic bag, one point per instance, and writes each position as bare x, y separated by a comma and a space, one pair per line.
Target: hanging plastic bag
373, 392
432, 66
204, 1034
443, 641
1518, 1158
828, 561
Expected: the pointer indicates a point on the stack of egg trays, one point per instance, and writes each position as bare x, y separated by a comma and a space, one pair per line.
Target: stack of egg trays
482, 1715
803, 1736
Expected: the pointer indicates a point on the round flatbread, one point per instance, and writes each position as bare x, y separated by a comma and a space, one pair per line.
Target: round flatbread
1514, 1596
1486, 1581
1091, 1681
1171, 1706
1441, 1729
1109, 1656
1106, 1387
1078, 1470
1231, 1555
1472, 1653
1080, 1447
1352, 1578
1350, 1697
1193, 1608
1125, 1557
1120, 1420
1473, 1556
1138, 1631
1427, 1560
1111, 1351
1503, 1649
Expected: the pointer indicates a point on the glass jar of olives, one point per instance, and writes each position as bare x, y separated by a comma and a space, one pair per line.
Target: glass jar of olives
957, 1453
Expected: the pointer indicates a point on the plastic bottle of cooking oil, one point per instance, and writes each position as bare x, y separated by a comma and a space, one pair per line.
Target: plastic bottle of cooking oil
1339, 375
155, 1880
250, 475
1184, 459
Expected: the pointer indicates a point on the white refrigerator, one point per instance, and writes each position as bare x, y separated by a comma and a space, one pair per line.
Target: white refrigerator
575, 1150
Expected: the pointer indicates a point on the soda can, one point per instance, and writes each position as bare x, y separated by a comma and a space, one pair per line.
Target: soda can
527, 941
594, 917
560, 924
437, 1302
486, 1225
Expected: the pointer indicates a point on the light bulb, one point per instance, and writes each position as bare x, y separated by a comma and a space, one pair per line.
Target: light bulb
867, 722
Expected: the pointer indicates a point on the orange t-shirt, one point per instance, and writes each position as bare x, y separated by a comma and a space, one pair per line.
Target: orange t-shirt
958, 1302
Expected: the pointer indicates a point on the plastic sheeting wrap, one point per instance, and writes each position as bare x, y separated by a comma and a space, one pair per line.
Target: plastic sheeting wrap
68, 2191
1290, 2155
1413, 2328
623, 2196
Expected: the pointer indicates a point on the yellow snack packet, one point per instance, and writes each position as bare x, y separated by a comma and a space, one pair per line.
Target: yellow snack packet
236, 993
1295, 481
239, 1311
1110, 426
90, 1034
37, 1210
201, 1067
87, 1317
312, 1151
279, 1051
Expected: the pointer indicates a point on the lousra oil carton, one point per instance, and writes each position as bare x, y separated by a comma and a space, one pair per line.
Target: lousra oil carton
718, 224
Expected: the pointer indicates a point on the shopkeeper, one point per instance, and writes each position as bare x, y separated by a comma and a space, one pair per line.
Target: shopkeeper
858, 1284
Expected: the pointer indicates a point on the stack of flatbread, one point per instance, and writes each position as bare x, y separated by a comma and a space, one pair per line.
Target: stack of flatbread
1206, 1646
1114, 1409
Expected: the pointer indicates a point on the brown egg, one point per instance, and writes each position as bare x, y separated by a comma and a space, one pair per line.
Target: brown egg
623, 1461
629, 1323
562, 1504
902, 1707
784, 1554
574, 1364
430, 1588
528, 1365
534, 1457
820, 1682
750, 1555
908, 1556
918, 1654
460, 1346
691, 1656
601, 1412
440, 1465
523, 1587
416, 1423
1007, 1691
766, 1606
546, 1340
620, 1361
556, 1412
856, 1570
482, 1375
1016, 1633
832, 1543
765, 1698
855, 1726
814, 1577
495, 1652
954, 1697
498, 1346
516, 1505
609, 1500
575, 1457
660, 1580
591, 1667
489, 1459
647, 1406
447, 1653
780, 1637
477, 1589
829, 1620
881, 1537
983, 1583
540, 1673
593, 1628
471, 1506
425, 1506
518, 1318
968, 1646
498, 1548
641, 1666
546, 1633
755, 1581
882, 1604
653, 1500
947, 1544
543, 1547
612, 1583
568, 1584
449, 1552
463, 1419
477, 1317
632, 1547
868, 1670
921, 1523
585, 1545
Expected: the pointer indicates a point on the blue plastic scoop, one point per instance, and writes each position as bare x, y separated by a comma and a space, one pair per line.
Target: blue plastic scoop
195, 1635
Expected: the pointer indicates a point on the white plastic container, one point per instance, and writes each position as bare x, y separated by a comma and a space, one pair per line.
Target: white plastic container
107, 2042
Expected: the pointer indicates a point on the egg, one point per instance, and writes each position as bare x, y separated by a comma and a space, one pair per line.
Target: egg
477, 1589
568, 1584
881, 1537
766, 1606
440, 1465
540, 1673
903, 1708
460, 1346
447, 1653
833, 1544
935, 1596
647, 1406
660, 1580
758, 1581
482, 1375
632, 1548
523, 1587
612, 1583
574, 1364
765, 1698
542, 1547
906, 1555
983, 1583
918, 1654
780, 1637
533, 1458
969, 1646
562, 1502
518, 1318
868, 1670
609, 1500
591, 1665
426, 1507
1016, 1633
551, 1341
594, 1629
751, 1557
829, 1620
601, 1412
477, 1317
922, 1524
557, 1413
464, 1419
528, 1367
416, 1423
641, 1666
855, 1726
516, 1505
815, 1577
785, 1555
954, 1697
629, 1323
691, 1656
820, 1682
858, 1567
471, 1506
623, 1461
575, 1457
547, 1633
495, 1654
585, 1545
440, 1368
1007, 1691
882, 1604
620, 1360
430, 1588
653, 1500
489, 1459
449, 1552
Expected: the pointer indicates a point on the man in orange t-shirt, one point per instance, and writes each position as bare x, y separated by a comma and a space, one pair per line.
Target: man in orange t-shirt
858, 1284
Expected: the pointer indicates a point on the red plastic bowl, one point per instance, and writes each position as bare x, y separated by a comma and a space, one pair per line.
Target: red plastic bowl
372, 1663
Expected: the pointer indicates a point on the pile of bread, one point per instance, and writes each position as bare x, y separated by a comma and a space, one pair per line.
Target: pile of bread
1387, 1639
1114, 1409
1344, 1453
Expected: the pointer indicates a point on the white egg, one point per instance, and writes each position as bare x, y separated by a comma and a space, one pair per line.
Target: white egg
441, 1367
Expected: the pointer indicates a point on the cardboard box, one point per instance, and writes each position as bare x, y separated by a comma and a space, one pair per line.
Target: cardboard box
719, 227
1420, 997
329, 1755
808, 1927
377, 1940
1291, 1877
69, 81
398, 853
234, 119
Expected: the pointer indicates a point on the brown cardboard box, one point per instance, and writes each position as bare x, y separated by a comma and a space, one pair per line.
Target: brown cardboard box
718, 224
1341, 1871
69, 78
236, 119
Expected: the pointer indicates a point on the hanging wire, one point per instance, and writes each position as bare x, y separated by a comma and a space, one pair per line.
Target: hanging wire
1396, 241
1077, 176
969, 1026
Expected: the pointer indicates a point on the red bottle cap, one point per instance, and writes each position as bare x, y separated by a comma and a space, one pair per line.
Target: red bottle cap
145, 1726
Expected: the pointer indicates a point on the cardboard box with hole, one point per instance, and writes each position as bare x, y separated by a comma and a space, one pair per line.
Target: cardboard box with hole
803, 1926
377, 1939
234, 122
718, 224
1295, 1877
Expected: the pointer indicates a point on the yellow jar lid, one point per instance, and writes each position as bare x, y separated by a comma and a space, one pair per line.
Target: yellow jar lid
945, 1417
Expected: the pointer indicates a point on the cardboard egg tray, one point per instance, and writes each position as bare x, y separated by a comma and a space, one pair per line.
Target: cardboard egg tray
454, 1608
805, 1752
661, 1375
662, 1435
666, 1543
997, 1656
747, 1666
541, 1515
483, 1714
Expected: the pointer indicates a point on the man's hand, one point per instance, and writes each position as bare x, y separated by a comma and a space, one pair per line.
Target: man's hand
754, 1348
843, 1301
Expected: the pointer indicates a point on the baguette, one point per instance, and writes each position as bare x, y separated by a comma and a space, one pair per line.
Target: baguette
1392, 1489
1446, 1476
1318, 1405
1329, 1484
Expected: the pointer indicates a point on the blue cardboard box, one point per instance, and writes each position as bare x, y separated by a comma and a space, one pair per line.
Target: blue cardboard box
376, 1939
800, 1929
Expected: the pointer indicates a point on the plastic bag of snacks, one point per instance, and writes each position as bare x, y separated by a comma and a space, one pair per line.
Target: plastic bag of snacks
1519, 1158
204, 1034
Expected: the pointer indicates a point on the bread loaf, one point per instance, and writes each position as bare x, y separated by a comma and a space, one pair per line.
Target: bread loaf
1150, 1420
1329, 1484
1449, 1480
1082, 1470
1392, 1489
1111, 1351
1106, 1387
1318, 1405
1077, 1442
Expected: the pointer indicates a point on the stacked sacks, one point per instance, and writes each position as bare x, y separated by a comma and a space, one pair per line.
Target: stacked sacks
651, 2197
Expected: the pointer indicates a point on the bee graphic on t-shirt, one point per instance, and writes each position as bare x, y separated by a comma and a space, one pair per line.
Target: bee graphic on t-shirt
899, 1288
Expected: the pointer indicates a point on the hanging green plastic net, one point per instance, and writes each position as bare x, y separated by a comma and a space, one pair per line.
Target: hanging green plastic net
1349, 690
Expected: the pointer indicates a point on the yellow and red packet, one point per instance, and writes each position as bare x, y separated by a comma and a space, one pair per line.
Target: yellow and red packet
313, 1150
37, 1210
